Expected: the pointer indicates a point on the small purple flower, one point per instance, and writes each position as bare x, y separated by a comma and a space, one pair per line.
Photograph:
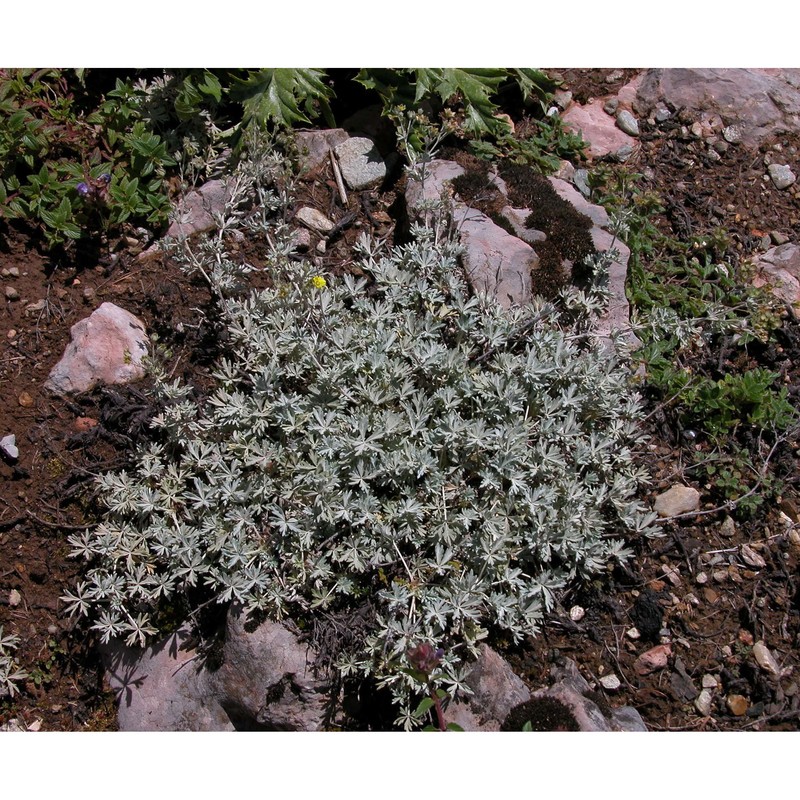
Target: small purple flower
105, 177
82, 189
425, 657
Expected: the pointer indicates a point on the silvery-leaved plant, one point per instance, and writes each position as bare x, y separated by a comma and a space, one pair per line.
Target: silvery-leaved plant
393, 440
10, 673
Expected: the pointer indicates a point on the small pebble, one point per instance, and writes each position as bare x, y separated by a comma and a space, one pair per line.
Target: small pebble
751, 558
52, 629
732, 134
778, 238
662, 114
721, 146
25, 400
627, 123
710, 595
703, 702
728, 527
701, 578
14, 598
610, 682
9, 445
37, 306
12, 334
713, 156
610, 106
12, 272
720, 575
765, 659
709, 681
781, 175
697, 129
737, 704
624, 153
577, 613
11, 293
633, 633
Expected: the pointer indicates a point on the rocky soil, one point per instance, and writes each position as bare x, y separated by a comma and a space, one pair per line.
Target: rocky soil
699, 632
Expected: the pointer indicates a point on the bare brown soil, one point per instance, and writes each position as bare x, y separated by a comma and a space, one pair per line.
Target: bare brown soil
49, 493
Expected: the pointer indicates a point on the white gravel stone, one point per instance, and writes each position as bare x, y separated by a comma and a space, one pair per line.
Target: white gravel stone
732, 134
610, 682
782, 175
14, 598
703, 702
577, 613
709, 681
9, 445
765, 659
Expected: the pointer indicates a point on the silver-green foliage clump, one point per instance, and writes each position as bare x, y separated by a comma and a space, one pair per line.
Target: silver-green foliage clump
396, 441
10, 673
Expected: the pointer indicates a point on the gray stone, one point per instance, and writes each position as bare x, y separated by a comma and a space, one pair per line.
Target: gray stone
195, 213
627, 123
765, 659
105, 348
732, 134
611, 106
677, 500
610, 682
662, 114
264, 683
360, 162
627, 719
314, 219
624, 153
314, 146
703, 702
781, 175
11, 293
581, 181
8, 444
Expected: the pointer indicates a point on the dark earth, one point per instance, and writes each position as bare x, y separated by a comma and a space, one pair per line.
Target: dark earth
48, 493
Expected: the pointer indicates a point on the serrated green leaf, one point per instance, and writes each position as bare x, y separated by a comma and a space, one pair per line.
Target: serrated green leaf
275, 95
474, 86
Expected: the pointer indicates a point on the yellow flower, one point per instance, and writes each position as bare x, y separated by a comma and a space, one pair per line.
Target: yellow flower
318, 282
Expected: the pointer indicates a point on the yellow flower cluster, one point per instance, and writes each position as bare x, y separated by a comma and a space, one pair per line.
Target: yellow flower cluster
318, 282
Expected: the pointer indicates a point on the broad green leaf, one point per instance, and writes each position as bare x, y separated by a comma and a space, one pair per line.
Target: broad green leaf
276, 95
474, 86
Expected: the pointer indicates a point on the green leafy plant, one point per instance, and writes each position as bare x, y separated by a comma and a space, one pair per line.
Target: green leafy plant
689, 305
51, 149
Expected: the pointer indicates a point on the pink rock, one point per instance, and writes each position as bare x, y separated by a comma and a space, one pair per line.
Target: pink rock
314, 146
760, 101
105, 348
779, 269
195, 213
266, 682
597, 128
654, 659
497, 263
